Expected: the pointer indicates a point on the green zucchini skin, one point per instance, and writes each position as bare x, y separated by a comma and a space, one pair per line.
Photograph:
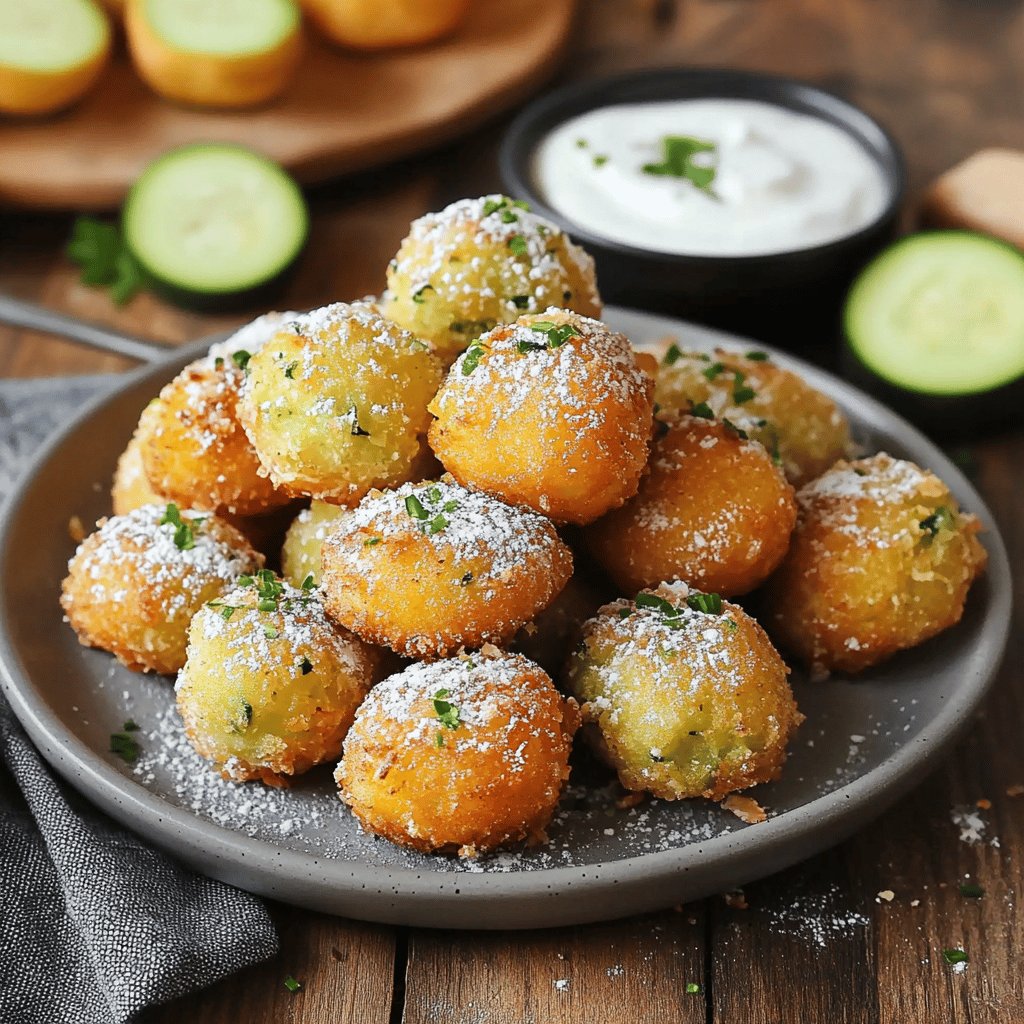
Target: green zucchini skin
245, 291
943, 411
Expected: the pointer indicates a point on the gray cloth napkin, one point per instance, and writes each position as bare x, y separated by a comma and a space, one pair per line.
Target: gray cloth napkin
94, 924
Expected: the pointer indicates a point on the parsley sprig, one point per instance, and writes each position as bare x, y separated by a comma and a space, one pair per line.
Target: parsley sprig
675, 618
447, 713
99, 250
268, 589
125, 745
432, 519
679, 154
185, 530
940, 519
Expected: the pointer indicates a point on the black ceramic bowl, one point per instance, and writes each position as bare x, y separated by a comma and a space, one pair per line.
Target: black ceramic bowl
791, 298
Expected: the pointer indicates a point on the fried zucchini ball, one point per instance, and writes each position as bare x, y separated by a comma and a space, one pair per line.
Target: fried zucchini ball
133, 585
881, 560
270, 687
194, 449
552, 412
483, 262
336, 403
713, 510
683, 694
462, 755
433, 567
805, 429
131, 488
300, 556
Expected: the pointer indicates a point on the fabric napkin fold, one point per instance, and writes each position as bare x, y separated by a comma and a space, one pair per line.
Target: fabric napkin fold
94, 924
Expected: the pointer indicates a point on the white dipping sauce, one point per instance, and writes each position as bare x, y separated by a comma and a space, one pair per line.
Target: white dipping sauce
782, 180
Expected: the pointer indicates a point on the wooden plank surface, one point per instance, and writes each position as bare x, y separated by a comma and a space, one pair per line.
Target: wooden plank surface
816, 943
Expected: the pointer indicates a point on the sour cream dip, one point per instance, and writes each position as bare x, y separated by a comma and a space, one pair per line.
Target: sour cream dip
709, 177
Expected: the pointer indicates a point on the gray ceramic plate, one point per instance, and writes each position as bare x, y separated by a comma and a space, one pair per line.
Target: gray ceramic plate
863, 745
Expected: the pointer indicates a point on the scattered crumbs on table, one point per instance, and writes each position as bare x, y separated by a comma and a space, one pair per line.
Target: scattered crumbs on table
746, 808
956, 958
615, 971
692, 988
887, 895
972, 825
915, 903
735, 900
560, 984
1017, 789
76, 529
291, 984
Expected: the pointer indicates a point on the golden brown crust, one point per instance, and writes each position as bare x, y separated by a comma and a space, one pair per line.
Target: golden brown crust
882, 559
491, 776
713, 510
395, 580
559, 423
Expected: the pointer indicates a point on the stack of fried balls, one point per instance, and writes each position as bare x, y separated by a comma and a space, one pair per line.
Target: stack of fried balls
496, 524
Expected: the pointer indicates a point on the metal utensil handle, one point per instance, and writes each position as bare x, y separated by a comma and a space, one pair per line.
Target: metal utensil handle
17, 313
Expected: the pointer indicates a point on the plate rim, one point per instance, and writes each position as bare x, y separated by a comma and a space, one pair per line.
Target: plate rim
540, 897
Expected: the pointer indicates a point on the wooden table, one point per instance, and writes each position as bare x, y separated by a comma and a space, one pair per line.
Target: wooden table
948, 78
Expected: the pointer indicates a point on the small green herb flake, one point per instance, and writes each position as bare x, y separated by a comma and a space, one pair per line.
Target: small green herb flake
420, 295
740, 391
415, 508
356, 430
305, 666
308, 583
291, 984
371, 542
99, 250
125, 747
130, 726
733, 429
692, 988
679, 154
709, 604
268, 589
437, 524
520, 301
184, 530
672, 355
471, 360
971, 891
954, 956
447, 713
703, 411
941, 518
582, 143
757, 356
289, 370
224, 610
270, 633
524, 347
712, 371
600, 160
242, 717
218, 363
517, 245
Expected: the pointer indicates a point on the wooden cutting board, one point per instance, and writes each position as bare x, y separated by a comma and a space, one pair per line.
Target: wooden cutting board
343, 112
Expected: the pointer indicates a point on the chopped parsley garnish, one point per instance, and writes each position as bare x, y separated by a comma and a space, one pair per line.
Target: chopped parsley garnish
415, 508
709, 604
291, 984
184, 529
357, 431
733, 429
371, 542
125, 746
712, 371
692, 988
600, 160
969, 889
557, 334
673, 355
732, 624
624, 613
241, 359
270, 633
520, 301
679, 154
289, 370
218, 363
419, 297
243, 716
447, 713
473, 327
225, 610
308, 583
703, 410
517, 243
130, 726
741, 392
305, 666
268, 589
582, 143
954, 956
471, 360
941, 518
757, 356
530, 346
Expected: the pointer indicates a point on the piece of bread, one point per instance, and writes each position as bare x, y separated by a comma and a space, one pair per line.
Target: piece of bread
983, 193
